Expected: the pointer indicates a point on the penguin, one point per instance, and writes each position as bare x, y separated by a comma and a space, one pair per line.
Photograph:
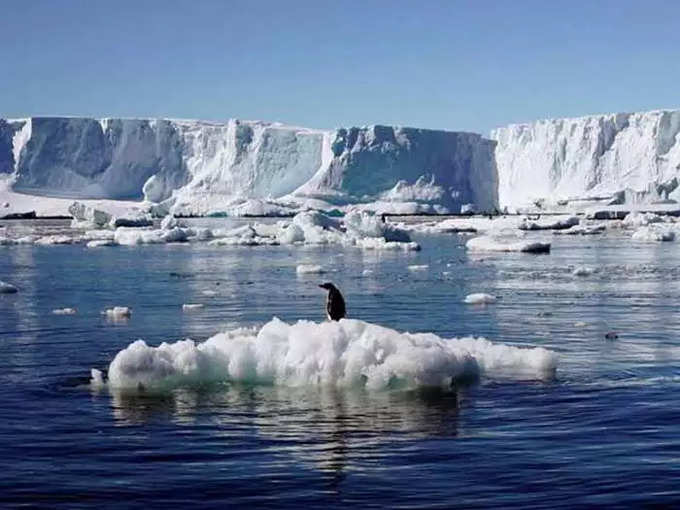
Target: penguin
335, 304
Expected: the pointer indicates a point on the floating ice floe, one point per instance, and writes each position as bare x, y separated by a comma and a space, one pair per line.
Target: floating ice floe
346, 353
585, 230
651, 234
480, 298
641, 219
98, 243
418, 267
64, 311
190, 307
550, 224
7, 288
583, 271
55, 239
118, 312
309, 269
507, 244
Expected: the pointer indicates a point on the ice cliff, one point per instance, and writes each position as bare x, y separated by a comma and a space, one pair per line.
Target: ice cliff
197, 167
625, 157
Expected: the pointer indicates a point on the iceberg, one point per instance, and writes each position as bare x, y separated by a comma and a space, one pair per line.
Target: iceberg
615, 158
247, 167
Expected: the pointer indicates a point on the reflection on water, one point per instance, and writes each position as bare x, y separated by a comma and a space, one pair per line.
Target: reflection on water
327, 429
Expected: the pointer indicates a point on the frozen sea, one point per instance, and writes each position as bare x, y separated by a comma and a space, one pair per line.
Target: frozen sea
604, 432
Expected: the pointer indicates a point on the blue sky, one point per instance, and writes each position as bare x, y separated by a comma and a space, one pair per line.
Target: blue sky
440, 64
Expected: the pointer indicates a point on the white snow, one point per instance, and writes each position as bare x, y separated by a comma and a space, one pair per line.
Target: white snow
583, 271
64, 311
347, 353
7, 288
480, 298
248, 167
507, 244
309, 269
118, 312
599, 156
653, 234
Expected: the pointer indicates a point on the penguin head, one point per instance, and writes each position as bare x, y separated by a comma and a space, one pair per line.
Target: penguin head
327, 286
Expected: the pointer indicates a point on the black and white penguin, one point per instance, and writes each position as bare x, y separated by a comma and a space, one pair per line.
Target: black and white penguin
335, 304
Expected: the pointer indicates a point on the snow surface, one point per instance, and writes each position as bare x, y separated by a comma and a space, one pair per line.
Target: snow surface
598, 156
346, 353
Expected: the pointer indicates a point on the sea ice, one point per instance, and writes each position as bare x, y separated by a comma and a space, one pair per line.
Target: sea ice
118, 312
507, 244
480, 298
652, 234
7, 288
64, 311
583, 271
309, 269
346, 353
190, 307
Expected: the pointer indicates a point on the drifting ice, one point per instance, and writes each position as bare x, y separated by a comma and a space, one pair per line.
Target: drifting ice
347, 353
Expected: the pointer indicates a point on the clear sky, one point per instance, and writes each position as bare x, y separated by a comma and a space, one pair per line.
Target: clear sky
460, 65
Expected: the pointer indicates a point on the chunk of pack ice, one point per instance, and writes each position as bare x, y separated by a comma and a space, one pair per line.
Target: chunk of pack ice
480, 298
507, 244
349, 353
7, 288
54, 239
550, 224
190, 307
85, 216
64, 311
418, 267
583, 271
652, 234
309, 269
118, 312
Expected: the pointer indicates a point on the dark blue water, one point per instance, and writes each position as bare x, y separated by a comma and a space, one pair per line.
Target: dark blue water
604, 433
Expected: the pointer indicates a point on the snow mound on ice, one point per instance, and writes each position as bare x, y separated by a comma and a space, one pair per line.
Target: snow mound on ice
346, 353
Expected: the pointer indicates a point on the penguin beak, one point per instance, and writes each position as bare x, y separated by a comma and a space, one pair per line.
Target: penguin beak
322, 286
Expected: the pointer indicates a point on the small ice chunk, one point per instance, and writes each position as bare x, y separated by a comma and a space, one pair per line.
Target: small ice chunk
309, 269
416, 267
580, 324
366, 272
56, 239
118, 312
64, 311
480, 298
652, 234
101, 242
209, 293
583, 271
97, 378
188, 307
507, 244
7, 288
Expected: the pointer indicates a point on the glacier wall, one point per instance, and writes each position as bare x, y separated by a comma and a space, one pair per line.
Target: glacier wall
204, 167
594, 156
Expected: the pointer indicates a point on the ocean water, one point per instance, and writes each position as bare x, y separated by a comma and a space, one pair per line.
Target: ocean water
603, 432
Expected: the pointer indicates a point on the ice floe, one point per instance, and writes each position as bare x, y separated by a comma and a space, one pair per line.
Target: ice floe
309, 269
64, 311
507, 243
346, 353
190, 307
7, 288
652, 234
118, 312
480, 298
